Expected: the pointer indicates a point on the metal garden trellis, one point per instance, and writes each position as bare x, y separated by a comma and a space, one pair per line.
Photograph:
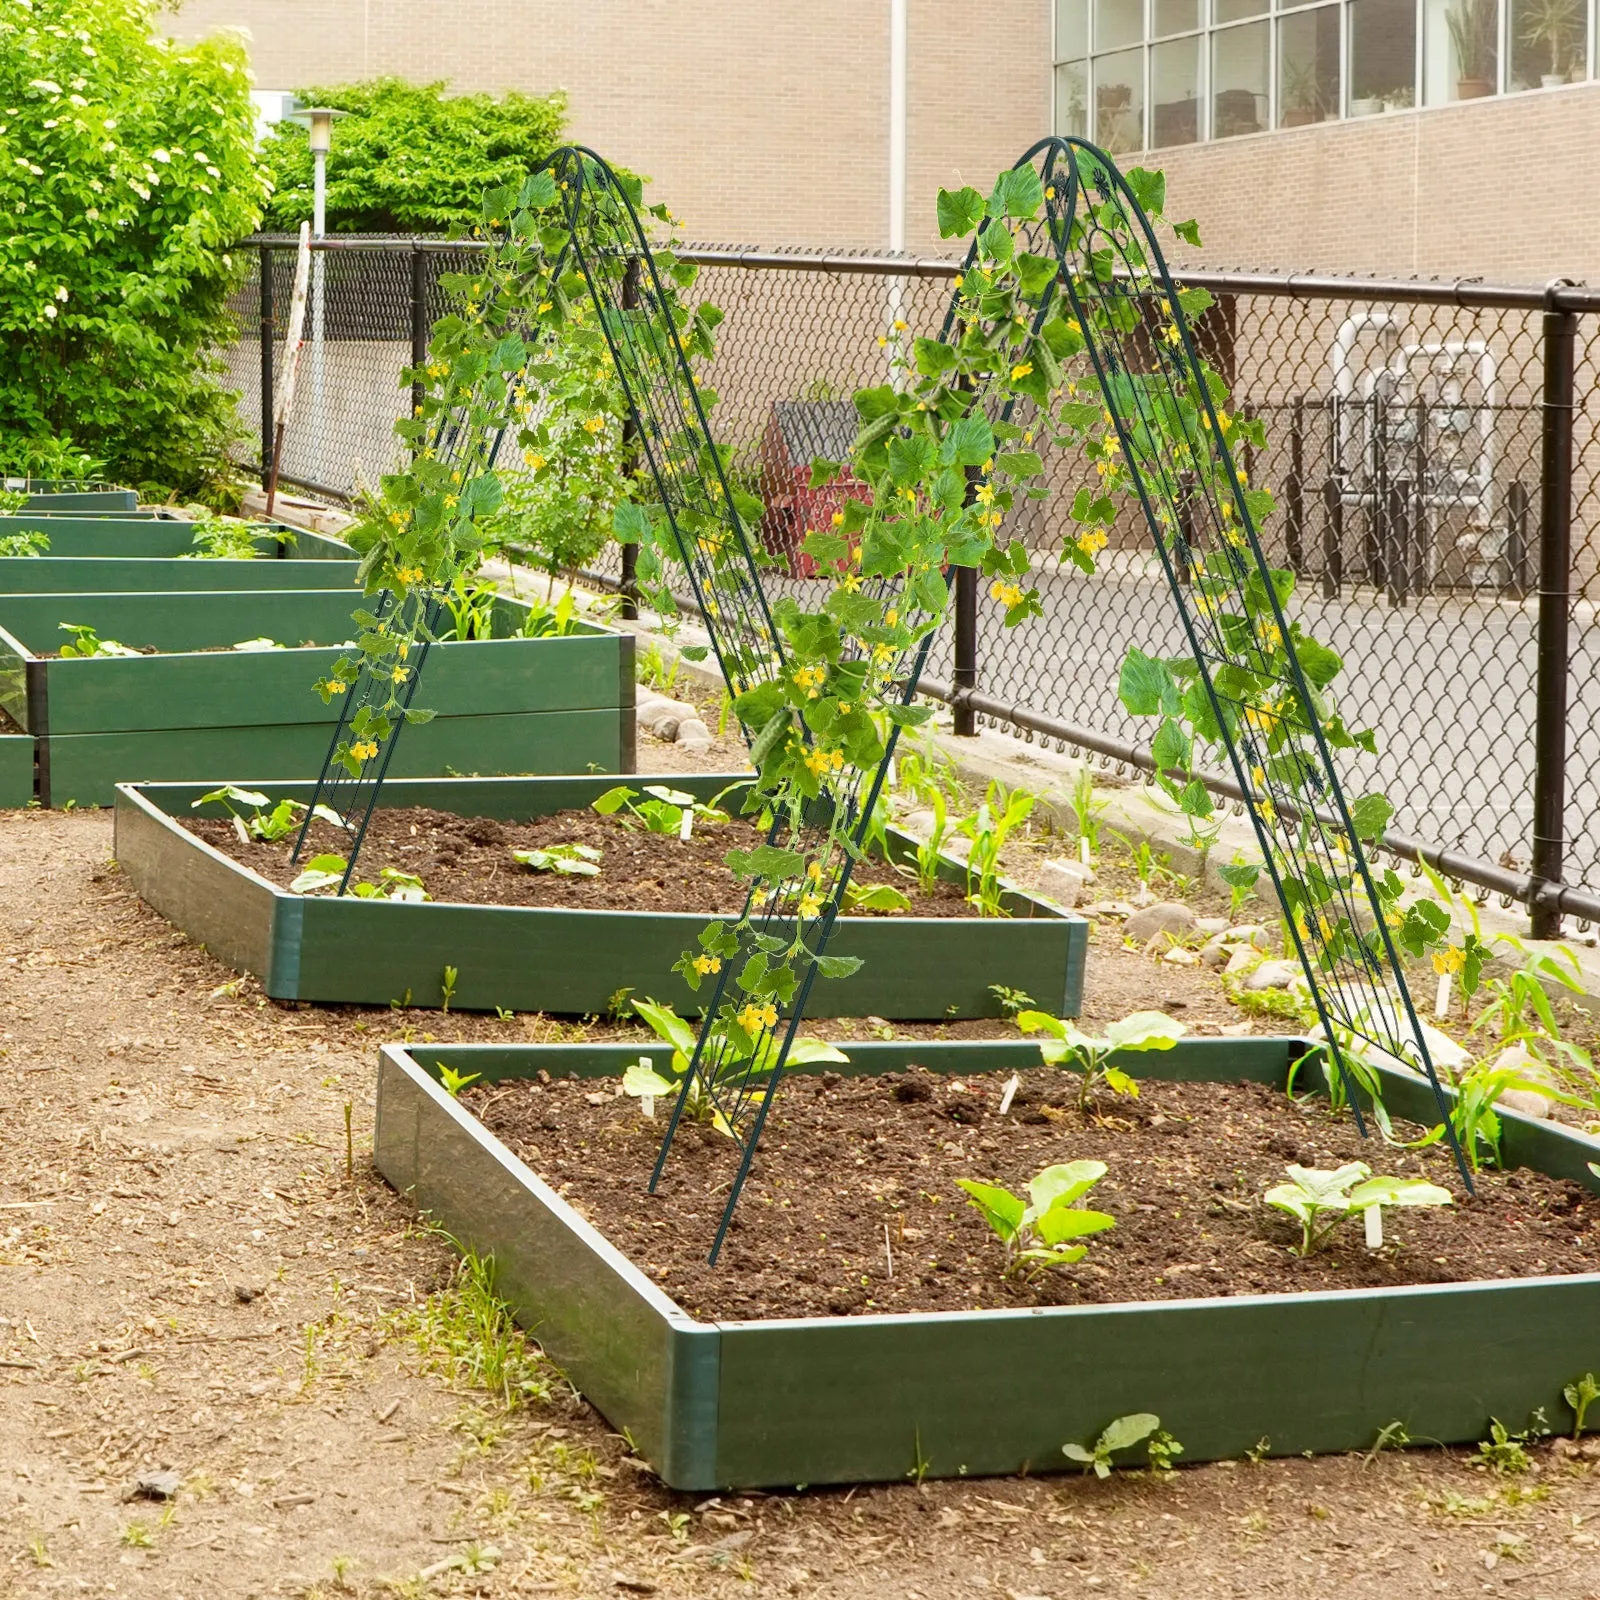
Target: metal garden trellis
1143, 374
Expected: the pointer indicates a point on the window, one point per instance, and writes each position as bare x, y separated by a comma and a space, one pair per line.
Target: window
1175, 92
1137, 74
1239, 80
1383, 56
1308, 67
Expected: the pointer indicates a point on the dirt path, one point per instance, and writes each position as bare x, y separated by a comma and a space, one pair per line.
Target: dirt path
189, 1282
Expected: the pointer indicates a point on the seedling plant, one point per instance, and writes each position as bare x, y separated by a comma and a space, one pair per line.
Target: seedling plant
326, 871
85, 643
1000, 814
1086, 812
1123, 1434
662, 810
261, 824
1067, 1046
23, 544
1039, 1233
1321, 1200
566, 860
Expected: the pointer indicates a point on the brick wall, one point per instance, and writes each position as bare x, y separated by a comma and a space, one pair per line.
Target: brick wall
762, 124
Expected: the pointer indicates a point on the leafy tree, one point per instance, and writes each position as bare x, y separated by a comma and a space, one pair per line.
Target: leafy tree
408, 159
127, 170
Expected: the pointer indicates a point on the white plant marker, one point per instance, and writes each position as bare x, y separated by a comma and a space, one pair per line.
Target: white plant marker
894, 773
1083, 848
1373, 1216
647, 1103
1441, 1000
1013, 1083
686, 826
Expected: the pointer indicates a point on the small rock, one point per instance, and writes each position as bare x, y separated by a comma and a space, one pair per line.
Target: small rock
1144, 897
1179, 957
155, 1486
659, 714
1275, 975
1212, 925
919, 822
1166, 916
1064, 880
1528, 1102
1241, 958
1250, 933
959, 847
1110, 908
693, 734
1215, 956
244, 1293
1590, 1449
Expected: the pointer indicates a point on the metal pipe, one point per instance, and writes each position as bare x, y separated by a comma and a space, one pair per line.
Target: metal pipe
629, 586
420, 326
1555, 601
965, 651
267, 340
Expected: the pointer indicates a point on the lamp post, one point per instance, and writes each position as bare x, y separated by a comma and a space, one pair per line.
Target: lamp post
320, 122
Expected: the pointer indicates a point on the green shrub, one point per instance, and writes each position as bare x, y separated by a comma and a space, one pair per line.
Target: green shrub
127, 170
407, 159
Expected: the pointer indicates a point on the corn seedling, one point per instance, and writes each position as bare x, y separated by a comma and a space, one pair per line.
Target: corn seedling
1148, 867
988, 828
1357, 1071
1086, 812
1320, 1200
1038, 1232
471, 606
547, 621
1123, 1434
263, 825
567, 860
929, 858
646, 1085
1067, 1046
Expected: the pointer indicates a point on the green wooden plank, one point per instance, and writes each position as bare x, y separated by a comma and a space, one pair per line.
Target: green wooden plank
237, 689
16, 769
105, 501
177, 622
85, 768
136, 575
14, 680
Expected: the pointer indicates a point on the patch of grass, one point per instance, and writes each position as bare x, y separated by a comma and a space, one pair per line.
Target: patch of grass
465, 1333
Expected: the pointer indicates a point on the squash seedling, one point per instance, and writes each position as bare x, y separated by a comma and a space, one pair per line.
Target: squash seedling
1037, 1232
1068, 1047
266, 826
1580, 1394
646, 1085
666, 811
1123, 1434
875, 897
1320, 1200
569, 860
86, 643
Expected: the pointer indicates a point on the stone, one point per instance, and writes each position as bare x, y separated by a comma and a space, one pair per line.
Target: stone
1211, 925
1179, 957
1165, 916
661, 716
1109, 908
1250, 933
919, 822
957, 845
1065, 880
693, 734
1275, 975
1526, 1102
1242, 958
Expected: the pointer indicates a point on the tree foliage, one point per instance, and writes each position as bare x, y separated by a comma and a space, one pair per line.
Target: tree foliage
409, 159
127, 170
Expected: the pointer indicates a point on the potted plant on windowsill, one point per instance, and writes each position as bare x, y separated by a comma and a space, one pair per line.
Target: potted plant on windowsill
1558, 25
1473, 26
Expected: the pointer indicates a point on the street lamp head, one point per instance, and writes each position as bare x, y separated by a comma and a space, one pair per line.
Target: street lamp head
320, 121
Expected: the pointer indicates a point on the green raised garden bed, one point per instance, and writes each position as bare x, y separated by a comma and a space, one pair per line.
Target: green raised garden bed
16, 769
537, 959
44, 495
862, 1398
150, 535
158, 574
203, 711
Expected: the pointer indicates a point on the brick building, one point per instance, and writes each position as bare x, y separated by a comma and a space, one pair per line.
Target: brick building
1389, 136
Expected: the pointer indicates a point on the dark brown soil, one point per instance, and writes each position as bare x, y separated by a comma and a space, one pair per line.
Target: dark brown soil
468, 860
854, 1170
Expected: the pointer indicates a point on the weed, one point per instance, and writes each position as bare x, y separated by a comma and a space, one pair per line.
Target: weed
677, 1525
1391, 1436
137, 1535
1505, 1452
1241, 877
447, 987
24, 544
40, 1552
1123, 1434
466, 1334
1148, 867
1319, 1201
1036, 1232
1012, 1001
453, 1082
875, 897
225, 539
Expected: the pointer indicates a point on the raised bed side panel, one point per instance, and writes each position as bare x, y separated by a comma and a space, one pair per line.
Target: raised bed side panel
86, 767
241, 689
125, 575
134, 535
16, 769
619, 1340
229, 912
91, 500
869, 1398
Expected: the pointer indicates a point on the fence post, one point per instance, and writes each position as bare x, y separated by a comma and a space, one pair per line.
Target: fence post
1294, 511
628, 585
267, 399
420, 326
1555, 577
963, 719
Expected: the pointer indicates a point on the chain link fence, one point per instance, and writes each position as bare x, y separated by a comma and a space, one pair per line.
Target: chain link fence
1432, 447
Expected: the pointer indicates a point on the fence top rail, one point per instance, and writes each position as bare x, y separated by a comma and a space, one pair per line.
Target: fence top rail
1557, 295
